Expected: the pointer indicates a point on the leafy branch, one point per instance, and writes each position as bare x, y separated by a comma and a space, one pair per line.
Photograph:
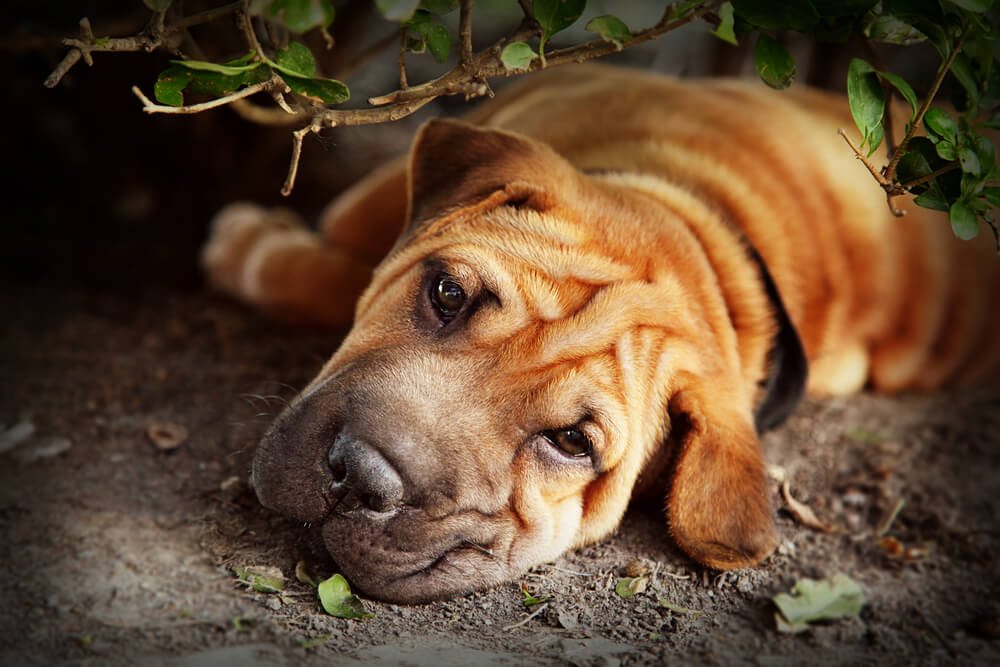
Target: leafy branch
943, 160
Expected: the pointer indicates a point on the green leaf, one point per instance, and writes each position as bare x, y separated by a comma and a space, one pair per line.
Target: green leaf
439, 6
893, 30
826, 599
799, 15
946, 150
315, 641
867, 103
337, 600
978, 6
228, 69
611, 29
517, 55
678, 10
724, 30
158, 5
963, 219
302, 15
434, 35
329, 91
774, 63
169, 85
992, 195
264, 579
397, 10
932, 199
302, 574
969, 160
962, 69
555, 15
986, 151
214, 84
296, 60
939, 122
531, 600
905, 90
677, 609
628, 587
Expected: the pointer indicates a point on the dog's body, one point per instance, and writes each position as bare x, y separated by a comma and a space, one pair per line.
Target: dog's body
602, 303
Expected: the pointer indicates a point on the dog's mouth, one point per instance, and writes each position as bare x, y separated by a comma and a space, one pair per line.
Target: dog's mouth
411, 559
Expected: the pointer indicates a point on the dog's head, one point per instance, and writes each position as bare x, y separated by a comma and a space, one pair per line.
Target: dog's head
538, 342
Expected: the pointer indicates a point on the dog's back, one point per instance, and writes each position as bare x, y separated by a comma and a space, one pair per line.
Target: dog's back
895, 301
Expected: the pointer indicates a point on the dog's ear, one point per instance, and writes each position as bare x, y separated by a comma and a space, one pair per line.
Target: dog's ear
718, 507
453, 163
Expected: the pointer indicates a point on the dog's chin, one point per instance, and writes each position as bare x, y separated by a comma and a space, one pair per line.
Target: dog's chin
403, 561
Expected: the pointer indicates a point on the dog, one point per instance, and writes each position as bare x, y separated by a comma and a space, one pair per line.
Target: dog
603, 284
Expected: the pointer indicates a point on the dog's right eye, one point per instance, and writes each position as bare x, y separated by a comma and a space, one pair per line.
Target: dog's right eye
447, 296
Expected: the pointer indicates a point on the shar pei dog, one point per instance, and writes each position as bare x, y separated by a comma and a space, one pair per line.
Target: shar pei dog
601, 284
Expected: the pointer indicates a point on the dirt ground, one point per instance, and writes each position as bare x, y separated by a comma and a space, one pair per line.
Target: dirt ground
117, 552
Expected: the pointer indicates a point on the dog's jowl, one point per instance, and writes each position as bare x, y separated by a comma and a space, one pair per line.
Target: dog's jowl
598, 285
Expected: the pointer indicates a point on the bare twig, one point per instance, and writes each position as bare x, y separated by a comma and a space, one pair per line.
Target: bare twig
151, 107
465, 35
402, 59
541, 606
931, 176
150, 39
882, 180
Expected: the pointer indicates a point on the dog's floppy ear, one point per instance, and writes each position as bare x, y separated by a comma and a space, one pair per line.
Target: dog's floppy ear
718, 506
453, 163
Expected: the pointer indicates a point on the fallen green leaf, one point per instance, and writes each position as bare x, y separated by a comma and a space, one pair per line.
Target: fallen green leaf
628, 587
869, 437
677, 609
315, 641
822, 600
337, 600
302, 574
263, 579
530, 600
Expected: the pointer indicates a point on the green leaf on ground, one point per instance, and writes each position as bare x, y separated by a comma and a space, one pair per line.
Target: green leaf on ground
302, 574
337, 600
823, 600
628, 587
315, 641
264, 579
774, 63
677, 609
517, 55
611, 29
531, 600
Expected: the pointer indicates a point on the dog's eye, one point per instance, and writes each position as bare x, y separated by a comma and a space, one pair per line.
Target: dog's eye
570, 441
447, 296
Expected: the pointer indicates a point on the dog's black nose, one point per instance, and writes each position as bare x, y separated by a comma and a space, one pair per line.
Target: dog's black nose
362, 477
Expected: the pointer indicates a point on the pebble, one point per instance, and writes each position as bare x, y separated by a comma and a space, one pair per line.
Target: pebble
15, 435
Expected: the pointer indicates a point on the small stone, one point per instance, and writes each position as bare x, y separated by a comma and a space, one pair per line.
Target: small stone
167, 436
15, 435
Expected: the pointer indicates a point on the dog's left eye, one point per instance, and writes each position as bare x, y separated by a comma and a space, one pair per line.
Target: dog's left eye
570, 441
447, 296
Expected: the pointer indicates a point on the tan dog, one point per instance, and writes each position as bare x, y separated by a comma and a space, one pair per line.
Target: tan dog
604, 288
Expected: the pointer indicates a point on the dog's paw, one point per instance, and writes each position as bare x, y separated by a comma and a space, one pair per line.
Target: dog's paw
236, 231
